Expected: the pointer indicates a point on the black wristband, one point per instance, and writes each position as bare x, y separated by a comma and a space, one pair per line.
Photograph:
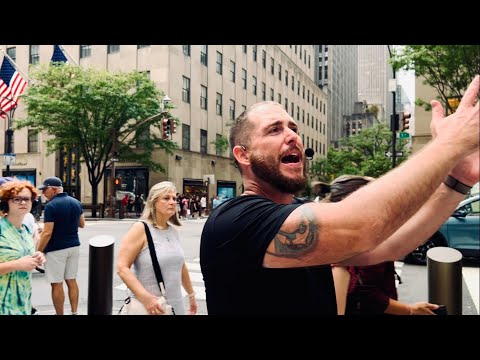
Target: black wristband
456, 185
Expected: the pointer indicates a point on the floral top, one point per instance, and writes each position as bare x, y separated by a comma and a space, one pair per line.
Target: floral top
15, 286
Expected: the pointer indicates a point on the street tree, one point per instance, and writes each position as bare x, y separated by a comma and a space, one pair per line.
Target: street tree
100, 113
361, 154
449, 69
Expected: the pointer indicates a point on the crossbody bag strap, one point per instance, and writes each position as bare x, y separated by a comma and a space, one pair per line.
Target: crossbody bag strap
153, 255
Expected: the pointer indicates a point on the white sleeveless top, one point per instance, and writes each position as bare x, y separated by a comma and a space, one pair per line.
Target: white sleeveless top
171, 258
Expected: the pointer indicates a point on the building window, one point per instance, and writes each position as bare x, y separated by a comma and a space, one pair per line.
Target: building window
286, 77
254, 85
219, 63
203, 97
298, 112
272, 65
34, 54
218, 104
308, 119
293, 83
204, 54
303, 116
296, 49
279, 98
32, 141
186, 89
264, 91
292, 109
142, 46
232, 71
308, 96
111, 49
298, 87
303, 91
244, 79
186, 50
264, 59
85, 51
305, 57
203, 141
244, 48
286, 104
185, 137
254, 49
279, 72
12, 52
309, 61
231, 110
326, 72
272, 94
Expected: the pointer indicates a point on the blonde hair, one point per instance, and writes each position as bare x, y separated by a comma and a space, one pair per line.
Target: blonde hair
155, 192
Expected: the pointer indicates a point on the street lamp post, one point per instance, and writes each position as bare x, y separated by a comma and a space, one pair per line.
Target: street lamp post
394, 116
9, 134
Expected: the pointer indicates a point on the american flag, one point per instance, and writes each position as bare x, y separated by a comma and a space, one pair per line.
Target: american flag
12, 85
58, 55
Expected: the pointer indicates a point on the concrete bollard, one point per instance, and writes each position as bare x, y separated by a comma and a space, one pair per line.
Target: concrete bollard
100, 275
445, 278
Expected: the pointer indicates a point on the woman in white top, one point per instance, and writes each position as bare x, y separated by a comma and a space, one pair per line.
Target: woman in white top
160, 213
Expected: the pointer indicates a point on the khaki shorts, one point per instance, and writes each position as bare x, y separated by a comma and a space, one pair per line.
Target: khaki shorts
62, 264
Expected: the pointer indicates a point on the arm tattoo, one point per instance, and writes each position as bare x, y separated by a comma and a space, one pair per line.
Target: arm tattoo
298, 241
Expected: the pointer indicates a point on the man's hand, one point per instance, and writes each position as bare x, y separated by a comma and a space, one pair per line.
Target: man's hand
467, 170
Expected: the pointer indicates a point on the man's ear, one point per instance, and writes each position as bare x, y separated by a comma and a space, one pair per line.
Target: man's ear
241, 155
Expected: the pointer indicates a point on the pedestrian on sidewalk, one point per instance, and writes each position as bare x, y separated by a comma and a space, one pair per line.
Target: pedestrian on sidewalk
63, 215
160, 214
18, 257
368, 289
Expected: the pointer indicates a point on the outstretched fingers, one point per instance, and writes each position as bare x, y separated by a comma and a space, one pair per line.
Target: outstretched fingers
437, 114
470, 98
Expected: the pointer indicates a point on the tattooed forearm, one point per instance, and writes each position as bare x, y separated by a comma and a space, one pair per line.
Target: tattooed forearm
295, 242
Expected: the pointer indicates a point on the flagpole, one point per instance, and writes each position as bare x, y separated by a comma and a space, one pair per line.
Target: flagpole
15, 65
66, 52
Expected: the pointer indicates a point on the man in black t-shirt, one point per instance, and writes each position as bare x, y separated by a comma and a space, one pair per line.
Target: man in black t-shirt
265, 253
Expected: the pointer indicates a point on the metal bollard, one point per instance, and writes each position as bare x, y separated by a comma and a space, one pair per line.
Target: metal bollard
445, 278
100, 275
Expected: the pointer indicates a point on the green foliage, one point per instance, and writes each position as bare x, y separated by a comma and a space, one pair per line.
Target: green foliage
447, 68
221, 144
362, 154
94, 109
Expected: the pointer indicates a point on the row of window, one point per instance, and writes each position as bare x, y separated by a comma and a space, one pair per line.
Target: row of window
85, 51
32, 146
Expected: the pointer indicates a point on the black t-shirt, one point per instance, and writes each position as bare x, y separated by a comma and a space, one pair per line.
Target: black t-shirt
233, 245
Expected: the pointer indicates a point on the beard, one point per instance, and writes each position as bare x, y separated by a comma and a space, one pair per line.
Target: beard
267, 170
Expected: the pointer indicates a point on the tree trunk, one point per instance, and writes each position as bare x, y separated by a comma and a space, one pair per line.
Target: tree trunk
95, 200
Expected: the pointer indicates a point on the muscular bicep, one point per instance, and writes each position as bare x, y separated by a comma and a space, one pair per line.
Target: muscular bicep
313, 234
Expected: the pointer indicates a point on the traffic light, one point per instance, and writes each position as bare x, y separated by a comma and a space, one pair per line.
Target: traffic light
166, 127
118, 181
173, 127
404, 121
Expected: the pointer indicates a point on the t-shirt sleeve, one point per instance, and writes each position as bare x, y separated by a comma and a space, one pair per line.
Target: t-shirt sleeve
238, 221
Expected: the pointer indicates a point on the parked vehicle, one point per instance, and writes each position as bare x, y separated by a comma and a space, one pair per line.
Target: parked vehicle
461, 232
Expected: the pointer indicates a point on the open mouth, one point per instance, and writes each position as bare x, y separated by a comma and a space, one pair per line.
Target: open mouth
291, 159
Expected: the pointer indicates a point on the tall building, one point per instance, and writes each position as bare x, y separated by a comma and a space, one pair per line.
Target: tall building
209, 85
374, 72
337, 76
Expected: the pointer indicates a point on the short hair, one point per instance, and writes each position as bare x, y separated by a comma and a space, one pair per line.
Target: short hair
242, 127
14, 187
155, 192
344, 185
